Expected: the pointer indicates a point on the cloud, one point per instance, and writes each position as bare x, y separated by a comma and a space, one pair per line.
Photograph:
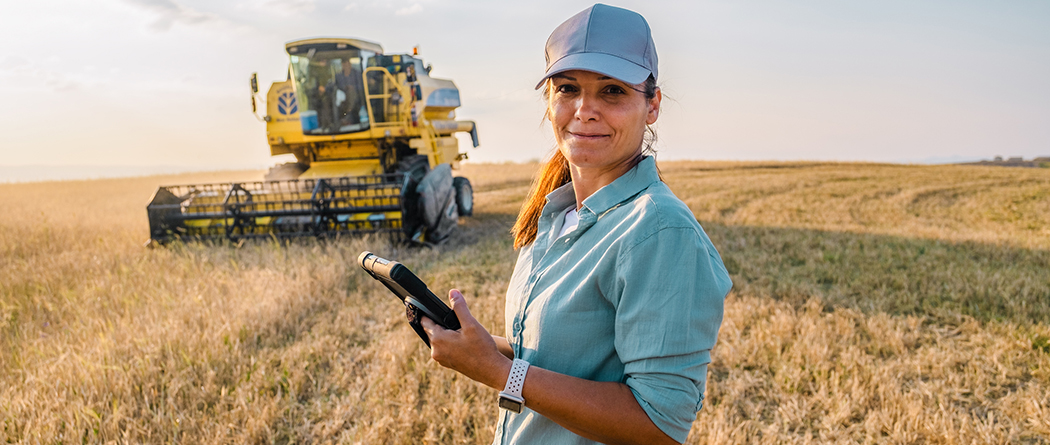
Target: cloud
292, 5
22, 73
171, 12
13, 63
409, 10
60, 83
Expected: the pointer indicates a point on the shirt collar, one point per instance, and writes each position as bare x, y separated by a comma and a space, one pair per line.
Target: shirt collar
623, 188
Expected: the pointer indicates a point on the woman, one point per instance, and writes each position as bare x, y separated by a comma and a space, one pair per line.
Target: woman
617, 294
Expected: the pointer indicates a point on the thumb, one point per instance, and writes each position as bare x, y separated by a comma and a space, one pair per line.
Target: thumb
459, 305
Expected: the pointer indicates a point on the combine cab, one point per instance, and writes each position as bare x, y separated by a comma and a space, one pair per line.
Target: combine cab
373, 138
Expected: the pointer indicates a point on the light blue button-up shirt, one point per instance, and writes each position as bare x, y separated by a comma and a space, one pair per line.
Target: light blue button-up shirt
634, 294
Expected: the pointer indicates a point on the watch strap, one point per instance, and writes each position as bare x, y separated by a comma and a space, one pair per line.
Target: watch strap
515, 383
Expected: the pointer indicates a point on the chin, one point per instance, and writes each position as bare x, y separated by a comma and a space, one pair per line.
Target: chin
582, 158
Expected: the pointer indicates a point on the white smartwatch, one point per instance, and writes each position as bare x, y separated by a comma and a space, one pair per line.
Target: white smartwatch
510, 398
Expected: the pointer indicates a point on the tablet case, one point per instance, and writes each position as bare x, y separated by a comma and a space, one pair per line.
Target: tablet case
418, 299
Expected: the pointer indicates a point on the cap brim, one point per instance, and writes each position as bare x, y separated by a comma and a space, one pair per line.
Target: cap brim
607, 64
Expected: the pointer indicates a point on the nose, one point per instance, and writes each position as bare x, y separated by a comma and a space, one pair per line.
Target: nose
587, 108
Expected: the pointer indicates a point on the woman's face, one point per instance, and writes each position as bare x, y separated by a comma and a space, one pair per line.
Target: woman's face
599, 121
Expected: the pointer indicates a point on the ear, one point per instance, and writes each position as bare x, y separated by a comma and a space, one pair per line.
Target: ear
654, 107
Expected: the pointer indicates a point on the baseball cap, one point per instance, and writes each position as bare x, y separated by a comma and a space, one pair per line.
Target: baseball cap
604, 39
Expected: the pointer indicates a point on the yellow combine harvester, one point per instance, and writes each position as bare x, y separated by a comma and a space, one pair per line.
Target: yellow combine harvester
372, 136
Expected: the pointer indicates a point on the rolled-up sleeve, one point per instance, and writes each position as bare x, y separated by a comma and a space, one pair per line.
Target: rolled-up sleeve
673, 286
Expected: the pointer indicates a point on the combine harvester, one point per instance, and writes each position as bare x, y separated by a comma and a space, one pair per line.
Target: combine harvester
372, 135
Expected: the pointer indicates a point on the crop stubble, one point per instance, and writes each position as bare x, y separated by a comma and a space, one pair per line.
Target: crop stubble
872, 304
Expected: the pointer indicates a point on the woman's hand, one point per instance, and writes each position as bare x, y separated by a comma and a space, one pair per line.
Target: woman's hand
471, 350
602, 411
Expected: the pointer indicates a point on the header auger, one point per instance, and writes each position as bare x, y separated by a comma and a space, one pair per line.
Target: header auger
373, 138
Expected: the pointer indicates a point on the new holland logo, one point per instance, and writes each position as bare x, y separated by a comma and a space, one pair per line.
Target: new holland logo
286, 103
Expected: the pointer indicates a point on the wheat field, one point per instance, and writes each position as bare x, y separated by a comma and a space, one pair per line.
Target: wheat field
872, 303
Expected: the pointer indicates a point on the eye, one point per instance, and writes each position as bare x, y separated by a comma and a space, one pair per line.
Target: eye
615, 89
565, 88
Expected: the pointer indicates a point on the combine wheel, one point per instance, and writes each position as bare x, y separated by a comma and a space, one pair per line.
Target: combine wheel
464, 196
284, 172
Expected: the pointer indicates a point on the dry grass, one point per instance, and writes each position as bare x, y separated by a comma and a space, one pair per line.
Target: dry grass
992, 205
873, 304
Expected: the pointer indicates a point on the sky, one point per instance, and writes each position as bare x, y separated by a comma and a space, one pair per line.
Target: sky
134, 85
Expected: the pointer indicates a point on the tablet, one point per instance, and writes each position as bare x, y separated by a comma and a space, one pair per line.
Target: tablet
418, 299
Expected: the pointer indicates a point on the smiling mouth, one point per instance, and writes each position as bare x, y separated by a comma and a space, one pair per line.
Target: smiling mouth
588, 135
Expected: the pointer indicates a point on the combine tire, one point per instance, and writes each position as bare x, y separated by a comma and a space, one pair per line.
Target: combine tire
437, 203
464, 196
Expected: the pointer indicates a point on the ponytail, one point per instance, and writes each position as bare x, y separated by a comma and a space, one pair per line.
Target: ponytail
553, 174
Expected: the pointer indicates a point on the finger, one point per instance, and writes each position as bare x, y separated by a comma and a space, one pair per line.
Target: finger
428, 325
459, 305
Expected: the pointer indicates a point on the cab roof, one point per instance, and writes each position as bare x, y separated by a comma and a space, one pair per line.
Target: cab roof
357, 43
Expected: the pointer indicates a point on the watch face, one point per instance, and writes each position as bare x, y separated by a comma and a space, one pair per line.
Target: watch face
510, 405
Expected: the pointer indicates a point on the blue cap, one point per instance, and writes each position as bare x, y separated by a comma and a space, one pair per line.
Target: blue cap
604, 39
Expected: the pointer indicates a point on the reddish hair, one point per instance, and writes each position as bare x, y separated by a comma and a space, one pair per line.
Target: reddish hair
553, 174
